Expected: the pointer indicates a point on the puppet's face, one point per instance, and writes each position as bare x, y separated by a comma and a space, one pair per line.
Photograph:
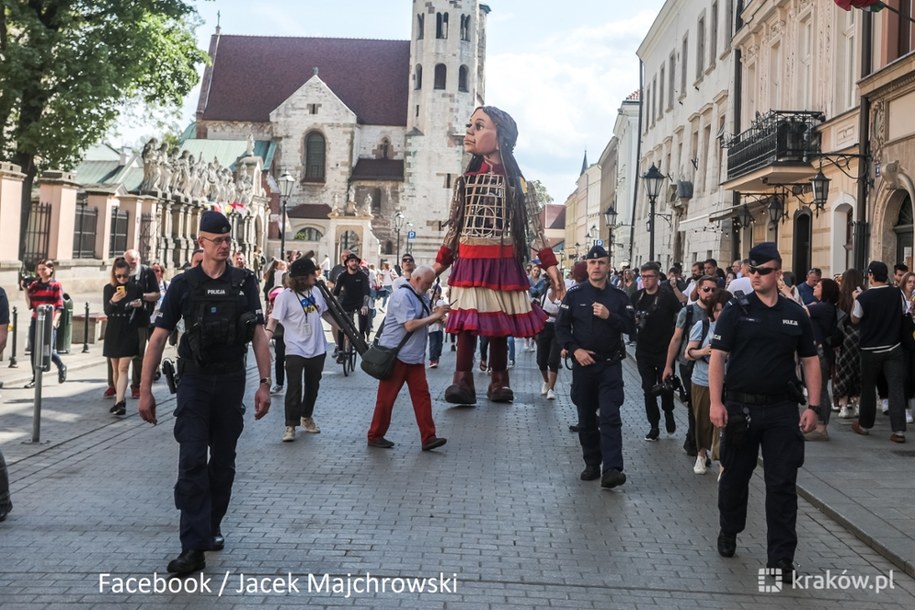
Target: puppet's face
482, 136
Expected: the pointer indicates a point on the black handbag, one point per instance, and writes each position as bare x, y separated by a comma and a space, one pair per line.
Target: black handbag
907, 334
378, 361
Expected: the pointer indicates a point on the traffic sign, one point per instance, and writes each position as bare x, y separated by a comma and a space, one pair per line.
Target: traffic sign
411, 235
598, 242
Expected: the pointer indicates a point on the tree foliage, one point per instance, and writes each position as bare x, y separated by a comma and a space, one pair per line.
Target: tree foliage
543, 197
67, 67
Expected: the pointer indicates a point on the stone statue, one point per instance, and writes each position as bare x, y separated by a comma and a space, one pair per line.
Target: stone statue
150, 166
164, 177
367, 204
249, 151
336, 209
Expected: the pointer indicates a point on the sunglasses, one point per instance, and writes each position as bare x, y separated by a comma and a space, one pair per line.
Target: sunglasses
762, 270
407, 260
707, 289
121, 277
219, 241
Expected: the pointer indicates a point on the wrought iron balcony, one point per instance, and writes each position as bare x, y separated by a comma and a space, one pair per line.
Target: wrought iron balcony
778, 137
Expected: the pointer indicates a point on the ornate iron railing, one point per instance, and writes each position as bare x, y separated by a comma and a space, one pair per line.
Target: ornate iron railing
777, 137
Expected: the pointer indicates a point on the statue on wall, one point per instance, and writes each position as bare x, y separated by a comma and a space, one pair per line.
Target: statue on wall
367, 204
150, 158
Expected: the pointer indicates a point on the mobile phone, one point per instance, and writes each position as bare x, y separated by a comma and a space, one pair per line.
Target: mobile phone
122, 289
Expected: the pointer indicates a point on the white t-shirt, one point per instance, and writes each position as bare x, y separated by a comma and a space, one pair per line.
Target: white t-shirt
300, 315
743, 284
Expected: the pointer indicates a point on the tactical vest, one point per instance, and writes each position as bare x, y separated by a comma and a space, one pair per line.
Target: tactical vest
217, 317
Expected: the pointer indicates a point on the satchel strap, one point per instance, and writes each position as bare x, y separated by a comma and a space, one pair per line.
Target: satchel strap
407, 335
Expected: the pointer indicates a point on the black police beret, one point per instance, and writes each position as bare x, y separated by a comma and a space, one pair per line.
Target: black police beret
763, 253
214, 222
596, 252
302, 267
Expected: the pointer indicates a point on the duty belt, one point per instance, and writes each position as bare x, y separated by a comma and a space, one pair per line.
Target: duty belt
187, 365
755, 399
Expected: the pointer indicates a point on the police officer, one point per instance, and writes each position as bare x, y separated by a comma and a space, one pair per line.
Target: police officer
591, 321
222, 312
756, 402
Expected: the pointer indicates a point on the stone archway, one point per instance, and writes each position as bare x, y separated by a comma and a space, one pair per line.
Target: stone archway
885, 235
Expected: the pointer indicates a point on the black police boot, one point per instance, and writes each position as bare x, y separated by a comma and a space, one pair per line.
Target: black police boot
612, 478
727, 544
187, 562
219, 542
787, 569
591, 472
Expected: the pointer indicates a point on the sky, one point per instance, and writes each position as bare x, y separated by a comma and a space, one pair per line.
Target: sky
561, 69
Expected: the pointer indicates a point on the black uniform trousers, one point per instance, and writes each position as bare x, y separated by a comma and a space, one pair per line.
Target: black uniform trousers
209, 419
650, 368
597, 391
774, 428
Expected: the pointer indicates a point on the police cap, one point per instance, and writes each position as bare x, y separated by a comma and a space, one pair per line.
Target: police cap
302, 267
596, 252
763, 253
214, 222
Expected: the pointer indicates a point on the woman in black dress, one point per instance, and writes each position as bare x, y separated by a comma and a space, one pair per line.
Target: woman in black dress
122, 298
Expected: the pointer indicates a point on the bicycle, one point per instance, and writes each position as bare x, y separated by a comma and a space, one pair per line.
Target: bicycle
347, 355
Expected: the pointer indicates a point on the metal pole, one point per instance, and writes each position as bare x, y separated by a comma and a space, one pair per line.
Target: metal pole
651, 202
86, 331
283, 231
13, 363
397, 229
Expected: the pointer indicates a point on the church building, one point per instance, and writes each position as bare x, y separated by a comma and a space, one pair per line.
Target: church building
370, 131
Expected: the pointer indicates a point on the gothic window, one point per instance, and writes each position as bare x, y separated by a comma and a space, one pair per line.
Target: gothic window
386, 151
420, 26
308, 234
462, 79
441, 25
465, 27
440, 76
376, 200
314, 157
418, 77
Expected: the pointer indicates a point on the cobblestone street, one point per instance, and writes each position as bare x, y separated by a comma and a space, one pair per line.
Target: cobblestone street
498, 516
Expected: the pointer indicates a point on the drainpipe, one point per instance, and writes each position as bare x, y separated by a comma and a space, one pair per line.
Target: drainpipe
862, 232
638, 159
738, 108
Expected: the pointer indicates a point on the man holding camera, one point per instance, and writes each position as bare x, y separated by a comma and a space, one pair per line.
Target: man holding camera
759, 334
590, 324
656, 310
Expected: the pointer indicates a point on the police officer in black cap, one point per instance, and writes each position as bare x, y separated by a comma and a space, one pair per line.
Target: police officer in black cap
756, 401
222, 312
592, 319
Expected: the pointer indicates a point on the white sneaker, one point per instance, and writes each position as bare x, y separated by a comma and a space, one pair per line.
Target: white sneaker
544, 388
289, 434
276, 388
550, 395
700, 467
845, 413
908, 416
310, 426
885, 405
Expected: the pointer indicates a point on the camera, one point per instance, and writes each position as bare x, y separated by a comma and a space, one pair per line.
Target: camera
671, 384
641, 319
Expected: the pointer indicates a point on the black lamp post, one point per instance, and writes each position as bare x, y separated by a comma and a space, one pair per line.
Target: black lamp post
776, 210
820, 184
610, 215
398, 225
653, 179
286, 184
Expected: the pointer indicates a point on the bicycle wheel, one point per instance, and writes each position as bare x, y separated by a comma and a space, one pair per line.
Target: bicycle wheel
352, 358
347, 364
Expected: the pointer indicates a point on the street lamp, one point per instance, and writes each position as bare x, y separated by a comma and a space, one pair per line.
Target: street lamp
610, 215
820, 184
398, 225
653, 179
286, 184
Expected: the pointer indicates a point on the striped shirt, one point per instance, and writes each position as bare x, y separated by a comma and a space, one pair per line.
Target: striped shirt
40, 293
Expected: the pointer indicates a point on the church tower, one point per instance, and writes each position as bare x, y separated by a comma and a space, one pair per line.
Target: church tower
447, 59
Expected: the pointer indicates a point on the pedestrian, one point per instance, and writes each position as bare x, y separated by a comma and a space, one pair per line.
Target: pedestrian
353, 284
805, 288
656, 310
698, 351
706, 289
539, 284
298, 311
847, 387
223, 312
409, 312
878, 312
437, 329
492, 212
388, 276
45, 290
759, 336
548, 347
592, 319
278, 337
122, 300
407, 266
824, 317
144, 277
6, 504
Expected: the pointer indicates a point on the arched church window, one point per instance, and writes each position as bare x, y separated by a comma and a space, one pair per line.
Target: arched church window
386, 151
418, 77
441, 25
314, 157
420, 26
465, 27
309, 234
441, 73
376, 200
462, 79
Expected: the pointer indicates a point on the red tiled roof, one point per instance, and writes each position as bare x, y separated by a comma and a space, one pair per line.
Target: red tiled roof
634, 96
309, 210
252, 75
378, 169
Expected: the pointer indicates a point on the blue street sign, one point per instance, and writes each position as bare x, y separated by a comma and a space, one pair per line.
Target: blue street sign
598, 242
411, 235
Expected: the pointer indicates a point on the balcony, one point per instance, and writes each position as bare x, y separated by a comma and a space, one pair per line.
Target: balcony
774, 150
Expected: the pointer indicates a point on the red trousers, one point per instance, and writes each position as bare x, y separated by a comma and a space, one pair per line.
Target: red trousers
415, 377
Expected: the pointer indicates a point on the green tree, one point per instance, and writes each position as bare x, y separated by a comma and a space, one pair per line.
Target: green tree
543, 197
68, 66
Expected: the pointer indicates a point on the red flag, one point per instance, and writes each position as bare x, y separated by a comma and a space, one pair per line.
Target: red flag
849, 4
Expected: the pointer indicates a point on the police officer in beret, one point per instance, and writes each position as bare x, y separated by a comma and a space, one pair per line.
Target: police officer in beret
591, 321
756, 401
221, 309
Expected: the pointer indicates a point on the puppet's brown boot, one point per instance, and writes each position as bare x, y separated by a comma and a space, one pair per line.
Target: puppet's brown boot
499, 388
461, 390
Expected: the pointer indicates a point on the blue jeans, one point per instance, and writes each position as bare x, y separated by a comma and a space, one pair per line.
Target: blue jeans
436, 338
